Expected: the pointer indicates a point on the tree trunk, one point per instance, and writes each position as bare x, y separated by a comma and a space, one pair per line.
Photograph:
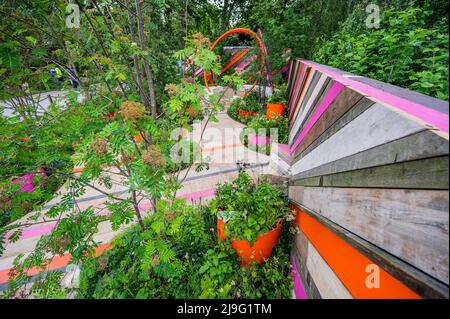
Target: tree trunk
148, 71
139, 79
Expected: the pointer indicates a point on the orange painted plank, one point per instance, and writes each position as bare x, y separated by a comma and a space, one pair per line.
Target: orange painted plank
57, 262
302, 90
349, 264
234, 59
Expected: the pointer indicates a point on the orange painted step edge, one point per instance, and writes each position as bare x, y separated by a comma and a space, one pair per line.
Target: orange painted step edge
77, 169
57, 262
221, 147
349, 264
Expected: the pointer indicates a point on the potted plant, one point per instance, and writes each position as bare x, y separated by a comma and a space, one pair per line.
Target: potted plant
276, 103
251, 215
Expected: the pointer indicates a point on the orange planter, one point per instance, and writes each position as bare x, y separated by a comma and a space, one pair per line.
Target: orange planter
274, 110
262, 247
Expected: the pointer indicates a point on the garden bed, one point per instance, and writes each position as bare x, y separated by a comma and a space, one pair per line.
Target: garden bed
189, 261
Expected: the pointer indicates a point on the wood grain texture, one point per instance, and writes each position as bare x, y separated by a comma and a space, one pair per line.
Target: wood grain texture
429, 173
298, 86
416, 146
303, 86
301, 243
410, 224
315, 76
420, 282
376, 126
309, 87
326, 281
308, 282
349, 116
323, 85
345, 101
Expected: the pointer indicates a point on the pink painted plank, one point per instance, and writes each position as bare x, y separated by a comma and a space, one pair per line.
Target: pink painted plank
422, 112
299, 289
331, 95
285, 149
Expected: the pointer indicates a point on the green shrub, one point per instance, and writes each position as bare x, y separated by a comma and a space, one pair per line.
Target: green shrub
279, 96
407, 50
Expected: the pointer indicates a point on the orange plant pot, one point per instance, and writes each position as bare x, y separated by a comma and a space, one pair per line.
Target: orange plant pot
261, 249
274, 110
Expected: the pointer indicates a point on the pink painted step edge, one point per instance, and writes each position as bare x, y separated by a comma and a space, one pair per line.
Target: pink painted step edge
258, 140
299, 289
422, 112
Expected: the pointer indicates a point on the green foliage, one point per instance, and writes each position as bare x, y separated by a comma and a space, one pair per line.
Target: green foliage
46, 142
406, 50
179, 256
250, 104
279, 96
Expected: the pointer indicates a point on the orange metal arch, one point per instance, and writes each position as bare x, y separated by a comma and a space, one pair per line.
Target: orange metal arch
262, 52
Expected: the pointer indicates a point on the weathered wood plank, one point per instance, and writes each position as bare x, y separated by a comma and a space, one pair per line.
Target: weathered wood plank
326, 281
304, 77
410, 224
304, 85
420, 282
319, 92
378, 125
429, 173
310, 288
416, 97
301, 243
310, 86
413, 147
309, 90
345, 101
353, 113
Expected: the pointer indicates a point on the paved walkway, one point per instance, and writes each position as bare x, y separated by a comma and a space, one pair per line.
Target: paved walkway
41, 100
219, 143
